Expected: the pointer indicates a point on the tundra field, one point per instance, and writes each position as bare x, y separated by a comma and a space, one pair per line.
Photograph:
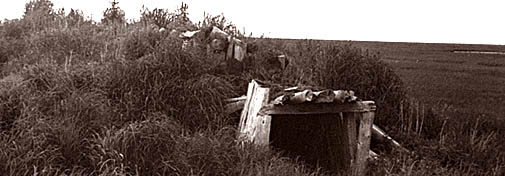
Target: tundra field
473, 83
126, 98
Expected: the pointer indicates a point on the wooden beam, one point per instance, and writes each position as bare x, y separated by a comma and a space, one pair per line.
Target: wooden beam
350, 120
234, 107
241, 98
318, 108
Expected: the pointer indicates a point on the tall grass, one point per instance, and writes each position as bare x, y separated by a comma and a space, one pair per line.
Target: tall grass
443, 142
127, 100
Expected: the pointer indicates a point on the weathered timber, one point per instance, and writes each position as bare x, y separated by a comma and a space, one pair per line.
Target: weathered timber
241, 98
350, 120
363, 147
320, 108
234, 107
254, 127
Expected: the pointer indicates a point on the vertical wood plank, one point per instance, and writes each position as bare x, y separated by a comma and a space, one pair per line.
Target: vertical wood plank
253, 127
262, 131
364, 135
340, 150
350, 122
245, 110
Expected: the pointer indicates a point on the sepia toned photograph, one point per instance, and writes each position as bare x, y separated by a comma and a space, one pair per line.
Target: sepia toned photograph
252, 88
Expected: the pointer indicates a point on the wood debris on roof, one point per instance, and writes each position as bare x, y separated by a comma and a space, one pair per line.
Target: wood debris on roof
295, 95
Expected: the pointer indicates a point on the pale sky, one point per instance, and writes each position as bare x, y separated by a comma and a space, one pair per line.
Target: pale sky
431, 21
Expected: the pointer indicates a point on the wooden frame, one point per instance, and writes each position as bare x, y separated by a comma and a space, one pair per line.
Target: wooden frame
356, 120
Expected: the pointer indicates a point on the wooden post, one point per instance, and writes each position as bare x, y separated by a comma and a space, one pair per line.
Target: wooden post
350, 122
254, 127
363, 147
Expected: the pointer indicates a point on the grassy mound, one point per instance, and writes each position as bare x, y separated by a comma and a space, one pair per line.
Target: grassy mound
127, 100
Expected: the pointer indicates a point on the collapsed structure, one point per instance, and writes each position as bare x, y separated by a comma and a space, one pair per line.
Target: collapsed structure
235, 51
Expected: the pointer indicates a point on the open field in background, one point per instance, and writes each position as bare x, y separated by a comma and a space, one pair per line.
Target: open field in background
474, 84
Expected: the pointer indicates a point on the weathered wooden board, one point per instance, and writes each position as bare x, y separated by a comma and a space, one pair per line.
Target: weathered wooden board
255, 127
319, 108
350, 120
234, 106
363, 146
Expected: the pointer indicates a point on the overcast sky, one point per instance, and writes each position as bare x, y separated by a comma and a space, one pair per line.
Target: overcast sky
432, 21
